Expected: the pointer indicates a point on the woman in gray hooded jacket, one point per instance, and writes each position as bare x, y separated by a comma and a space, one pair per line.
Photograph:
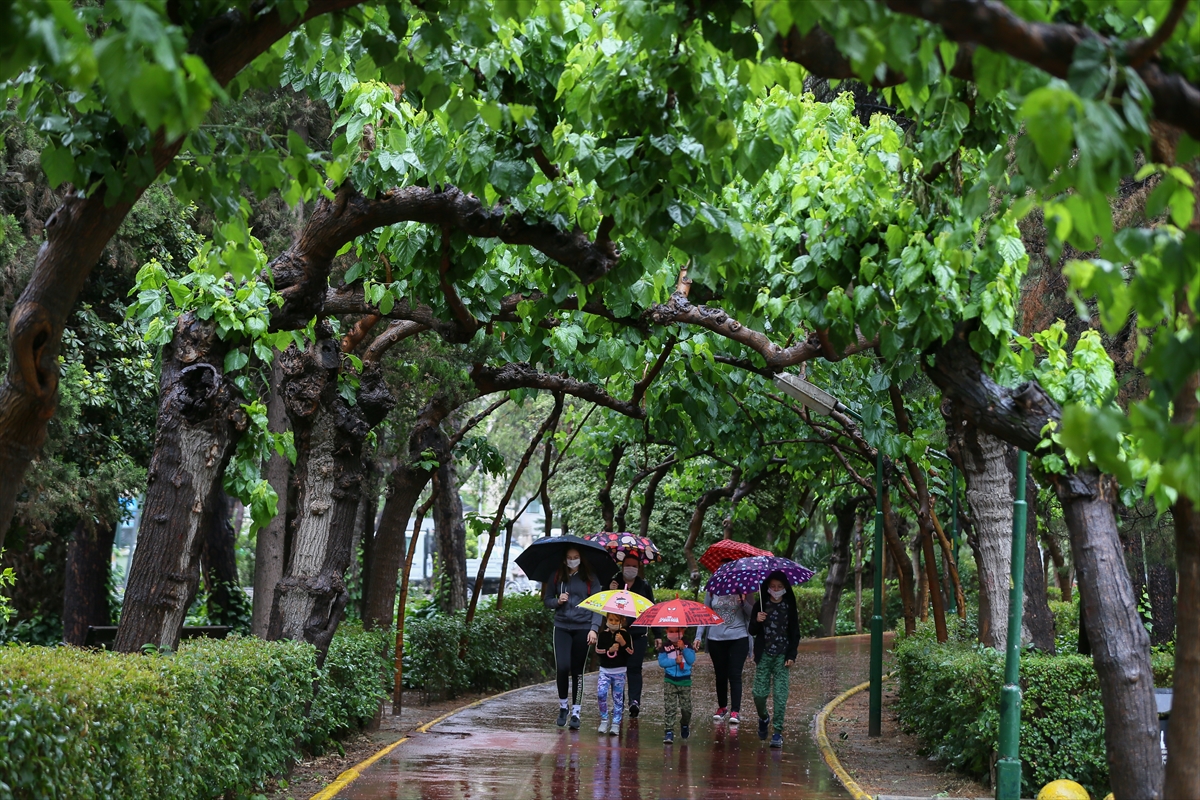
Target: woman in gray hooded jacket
574, 629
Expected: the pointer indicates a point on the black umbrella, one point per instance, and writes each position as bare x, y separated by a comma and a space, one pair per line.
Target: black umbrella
543, 558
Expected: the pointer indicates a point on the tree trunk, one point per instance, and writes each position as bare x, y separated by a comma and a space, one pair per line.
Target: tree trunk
922, 581
76, 234
85, 596
311, 596
1162, 603
607, 509
387, 551
450, 531
858, 576
1120, 645
648, 499
903, 564
1037, 623
696, 523
218, 559
405, 582
982, 459
544, 432
1062, 573
363, 537
839, 566
269, 545
199, 422
1135, 556
1183, 734
404, 489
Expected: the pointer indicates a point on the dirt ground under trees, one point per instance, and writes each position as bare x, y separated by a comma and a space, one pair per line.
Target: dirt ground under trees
313, 774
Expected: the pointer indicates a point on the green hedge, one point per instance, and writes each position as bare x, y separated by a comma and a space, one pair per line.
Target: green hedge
216, 717
504, 649
949, 696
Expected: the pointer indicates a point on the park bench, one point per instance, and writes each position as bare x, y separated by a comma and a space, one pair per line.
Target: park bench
105, 635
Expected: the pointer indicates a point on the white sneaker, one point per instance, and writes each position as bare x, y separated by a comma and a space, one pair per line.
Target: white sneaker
603, 726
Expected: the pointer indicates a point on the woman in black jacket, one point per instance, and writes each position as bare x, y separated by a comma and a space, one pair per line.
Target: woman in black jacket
574, 629
633, 578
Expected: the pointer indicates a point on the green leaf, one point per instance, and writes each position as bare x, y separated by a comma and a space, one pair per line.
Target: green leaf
235, 360
1047, 115
58, 164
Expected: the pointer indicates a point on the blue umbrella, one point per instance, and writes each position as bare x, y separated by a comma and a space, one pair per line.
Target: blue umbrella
746, 575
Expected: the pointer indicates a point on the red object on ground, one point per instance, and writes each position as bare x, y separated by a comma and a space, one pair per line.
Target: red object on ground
724, 550
678, 613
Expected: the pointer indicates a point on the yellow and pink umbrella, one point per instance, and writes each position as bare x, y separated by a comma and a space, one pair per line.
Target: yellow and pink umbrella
618, 601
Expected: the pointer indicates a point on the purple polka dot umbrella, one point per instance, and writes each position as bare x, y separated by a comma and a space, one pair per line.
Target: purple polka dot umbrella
747, 574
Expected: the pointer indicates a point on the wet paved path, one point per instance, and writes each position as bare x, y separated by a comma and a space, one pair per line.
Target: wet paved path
510, 749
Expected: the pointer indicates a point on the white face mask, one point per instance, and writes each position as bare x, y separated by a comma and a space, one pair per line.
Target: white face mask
614, 626
573, 563
630, 573
672, 637
776, 594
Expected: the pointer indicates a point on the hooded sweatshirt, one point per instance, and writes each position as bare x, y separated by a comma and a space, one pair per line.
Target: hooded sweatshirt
790, 628
569, 616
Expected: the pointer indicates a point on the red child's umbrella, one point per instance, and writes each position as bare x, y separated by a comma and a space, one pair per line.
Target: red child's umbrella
724, 550
678, 613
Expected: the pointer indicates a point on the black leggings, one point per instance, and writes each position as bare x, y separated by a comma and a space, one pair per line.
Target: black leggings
633, 669
728, 658
570, 656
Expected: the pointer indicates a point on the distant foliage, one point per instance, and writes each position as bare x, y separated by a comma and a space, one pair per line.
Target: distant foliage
504, 649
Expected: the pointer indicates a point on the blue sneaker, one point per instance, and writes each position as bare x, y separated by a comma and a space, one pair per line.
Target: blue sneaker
777, 740
685, 731
763, 724
562, 718
669, 736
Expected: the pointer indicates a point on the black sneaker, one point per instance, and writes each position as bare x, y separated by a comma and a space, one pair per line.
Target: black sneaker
562, 717
777, 740
669, 736
685, 731
763, 724
634, 709
574, 722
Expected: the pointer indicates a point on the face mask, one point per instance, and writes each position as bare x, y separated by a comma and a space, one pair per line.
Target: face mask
573, 563
672, 637
630, 573
776, 594
614, 626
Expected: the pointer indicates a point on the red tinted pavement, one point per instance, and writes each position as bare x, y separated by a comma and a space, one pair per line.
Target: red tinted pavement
509, 748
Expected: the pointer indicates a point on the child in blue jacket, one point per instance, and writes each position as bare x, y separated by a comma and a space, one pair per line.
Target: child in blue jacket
676, 659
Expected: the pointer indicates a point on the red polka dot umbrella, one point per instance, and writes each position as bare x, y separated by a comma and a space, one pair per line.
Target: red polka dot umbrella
678, 613
724, 550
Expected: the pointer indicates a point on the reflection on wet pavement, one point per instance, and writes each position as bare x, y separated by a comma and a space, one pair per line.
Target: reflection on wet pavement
509, 748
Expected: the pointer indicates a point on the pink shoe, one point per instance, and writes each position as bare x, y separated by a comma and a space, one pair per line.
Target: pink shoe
720, 715
733, 718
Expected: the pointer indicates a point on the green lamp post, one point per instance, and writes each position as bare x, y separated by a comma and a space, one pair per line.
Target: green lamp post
1008, 768
821, 402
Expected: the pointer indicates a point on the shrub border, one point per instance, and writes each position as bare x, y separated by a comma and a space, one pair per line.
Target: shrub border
355, 772
826, 748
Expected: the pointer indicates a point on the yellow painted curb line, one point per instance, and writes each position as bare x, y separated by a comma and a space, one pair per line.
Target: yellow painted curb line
827, 749
348, 777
